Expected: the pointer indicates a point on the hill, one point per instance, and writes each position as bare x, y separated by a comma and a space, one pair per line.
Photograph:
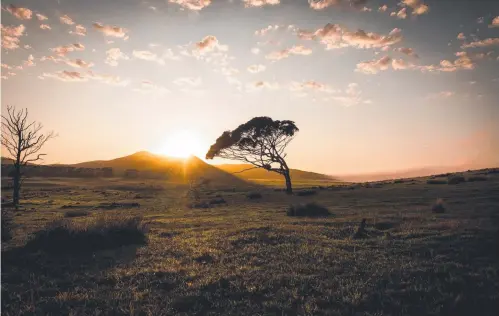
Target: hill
262, 175
176, 169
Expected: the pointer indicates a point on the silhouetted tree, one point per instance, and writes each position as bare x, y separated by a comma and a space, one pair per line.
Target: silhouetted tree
261, 142
23, 140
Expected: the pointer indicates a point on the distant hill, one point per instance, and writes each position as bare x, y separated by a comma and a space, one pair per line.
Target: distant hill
262, 174
176, 168
410, 173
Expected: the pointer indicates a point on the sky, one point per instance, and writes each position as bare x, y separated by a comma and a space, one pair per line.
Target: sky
373, 86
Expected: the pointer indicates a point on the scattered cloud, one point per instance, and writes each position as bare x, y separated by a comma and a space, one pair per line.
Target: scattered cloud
375, 65
495, 22
441, 95
45, 27
64, 50
351, 96
401, 14
255, 50
5, 66
148, 55
335, 36
482, 43
285, 53
480, 20
30, 61
266, 30
194, 5
65, 19
256, 68
260, 3
323, 4
148, 87
78, 63
188, 81
67, 76
20, 13
311, 85
109, 30
79, 30
407, 51
461, 36
11, 35
108, 79
113, 55
41, 17
417, 6
383, 8
210, 43
260, 85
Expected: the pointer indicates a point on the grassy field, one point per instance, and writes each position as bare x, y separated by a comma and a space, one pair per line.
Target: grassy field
247, 257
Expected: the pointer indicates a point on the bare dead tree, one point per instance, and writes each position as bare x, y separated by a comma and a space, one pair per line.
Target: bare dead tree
260, 142
23, 141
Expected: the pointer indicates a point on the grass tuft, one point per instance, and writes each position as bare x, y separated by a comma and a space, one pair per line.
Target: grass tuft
67, 236
436, 181
438, 207
308, 210
306, 192
254, 195
456, 179
76, 213
477, 178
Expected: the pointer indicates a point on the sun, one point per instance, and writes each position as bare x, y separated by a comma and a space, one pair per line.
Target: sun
181, 144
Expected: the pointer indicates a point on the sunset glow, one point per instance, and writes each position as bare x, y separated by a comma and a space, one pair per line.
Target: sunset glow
181, 144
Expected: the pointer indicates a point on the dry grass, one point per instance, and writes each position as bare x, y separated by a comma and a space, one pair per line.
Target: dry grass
248, 258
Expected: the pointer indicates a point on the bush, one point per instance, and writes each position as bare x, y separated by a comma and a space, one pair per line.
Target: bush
456, 179
309, 210
306, 192
199, 205
67, 236
76, 213
438, 207
6, 225
398, 181
254, 195
219, 200
436, 181
477, 178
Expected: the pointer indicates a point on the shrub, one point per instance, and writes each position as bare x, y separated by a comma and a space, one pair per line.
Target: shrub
199, 205
398, 181
438, 207
67, 236
254, 195
436, 181
306, 192
219, 200
6, 225
309, 210
477, 178
76, 213
456, 179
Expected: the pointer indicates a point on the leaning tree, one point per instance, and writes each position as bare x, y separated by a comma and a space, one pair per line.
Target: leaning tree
23, 141
261, 142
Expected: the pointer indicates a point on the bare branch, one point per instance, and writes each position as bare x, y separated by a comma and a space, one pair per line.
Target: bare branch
245, 170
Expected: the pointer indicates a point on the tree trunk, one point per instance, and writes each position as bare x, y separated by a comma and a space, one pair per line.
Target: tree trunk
289, 189
17, 185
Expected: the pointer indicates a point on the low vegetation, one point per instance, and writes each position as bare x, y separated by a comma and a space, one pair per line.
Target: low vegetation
106, 232
438, 207
308, 210
456, 179
436, 181
254, 195
306, 192
76, 213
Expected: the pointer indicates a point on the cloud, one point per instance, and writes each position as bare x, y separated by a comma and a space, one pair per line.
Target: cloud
148, 87
461, 36
66, 20
10, 36
285, 53
147, 55
335, 36
375, 65
108, 79
20, 13
417, 6
45, 27
109, 30
255, 50
79, 30
495, 22
311, 85
6, 66
194, 5
482, 43
210, 43
41, 17
256, 68
407, 51
266, 30
351, 96
323, 4
188, 81
260, 3
383, 8
78, 63
30, 61
113, 55
64, 50
67, 76
401, 14
480, 20
260, 85
441, 95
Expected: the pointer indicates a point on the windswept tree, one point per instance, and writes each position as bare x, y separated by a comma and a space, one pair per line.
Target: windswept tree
22, 140
261, 142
